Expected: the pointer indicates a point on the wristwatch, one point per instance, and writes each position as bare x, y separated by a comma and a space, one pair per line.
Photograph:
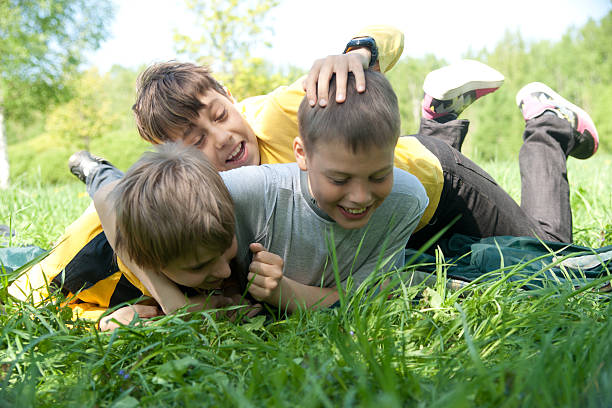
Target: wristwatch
364, 42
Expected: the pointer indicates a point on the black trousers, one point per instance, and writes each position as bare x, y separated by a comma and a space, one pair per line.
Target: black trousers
485, 209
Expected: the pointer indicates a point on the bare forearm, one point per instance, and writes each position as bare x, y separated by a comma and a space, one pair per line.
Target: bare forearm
165, 292
293, 295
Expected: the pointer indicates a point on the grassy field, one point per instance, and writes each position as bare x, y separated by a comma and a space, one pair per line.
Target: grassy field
488, 344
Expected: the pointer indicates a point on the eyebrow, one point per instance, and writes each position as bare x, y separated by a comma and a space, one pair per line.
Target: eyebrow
200, 265
204, 106
340, 173
188, 129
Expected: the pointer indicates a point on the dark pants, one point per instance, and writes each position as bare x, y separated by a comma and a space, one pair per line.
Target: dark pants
485, 208
102, 175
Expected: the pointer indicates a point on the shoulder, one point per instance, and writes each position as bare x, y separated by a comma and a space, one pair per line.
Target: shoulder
261, 178
406, 184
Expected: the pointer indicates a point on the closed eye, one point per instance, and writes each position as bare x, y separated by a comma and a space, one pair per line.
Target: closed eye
197, 268
200, 141
337, 181
221, 115
379, 179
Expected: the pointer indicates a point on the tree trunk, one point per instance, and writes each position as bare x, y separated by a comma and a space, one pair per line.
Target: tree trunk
4, 165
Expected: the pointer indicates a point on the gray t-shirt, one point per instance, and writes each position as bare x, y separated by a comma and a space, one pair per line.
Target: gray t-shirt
274, 208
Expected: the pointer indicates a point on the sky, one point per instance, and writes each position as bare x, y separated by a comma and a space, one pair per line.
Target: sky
305, 30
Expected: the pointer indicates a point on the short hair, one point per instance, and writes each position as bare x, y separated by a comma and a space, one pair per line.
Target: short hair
363, 120
167, 98
171, 202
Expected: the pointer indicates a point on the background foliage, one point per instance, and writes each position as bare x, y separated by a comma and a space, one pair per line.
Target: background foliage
97, 114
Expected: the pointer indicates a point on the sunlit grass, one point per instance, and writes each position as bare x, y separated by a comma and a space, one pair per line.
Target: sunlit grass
489, 343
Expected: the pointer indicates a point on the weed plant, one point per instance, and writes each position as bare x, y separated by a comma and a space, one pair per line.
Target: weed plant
488, 343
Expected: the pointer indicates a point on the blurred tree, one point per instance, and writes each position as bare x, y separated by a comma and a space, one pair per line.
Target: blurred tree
231, 29
87, 116
41, 45
407, 79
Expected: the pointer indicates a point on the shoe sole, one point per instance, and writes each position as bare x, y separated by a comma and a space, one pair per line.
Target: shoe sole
540, 87
464, 76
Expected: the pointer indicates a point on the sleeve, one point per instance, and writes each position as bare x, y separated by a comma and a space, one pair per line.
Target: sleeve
87, 311
273, 118
253, 191
390, 43
34, 283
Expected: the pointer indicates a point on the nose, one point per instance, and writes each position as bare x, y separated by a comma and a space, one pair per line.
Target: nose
223, 270
221, 138
360, 193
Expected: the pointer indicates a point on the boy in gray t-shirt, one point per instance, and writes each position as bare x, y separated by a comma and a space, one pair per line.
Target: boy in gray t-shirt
343, 186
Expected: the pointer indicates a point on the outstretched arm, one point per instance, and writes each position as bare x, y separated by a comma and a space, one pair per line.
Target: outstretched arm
162, 289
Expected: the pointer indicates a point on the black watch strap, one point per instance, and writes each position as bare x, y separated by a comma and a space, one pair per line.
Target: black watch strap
361, 42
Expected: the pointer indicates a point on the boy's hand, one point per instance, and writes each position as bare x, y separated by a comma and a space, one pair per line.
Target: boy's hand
317, 82
125, 315
265, 274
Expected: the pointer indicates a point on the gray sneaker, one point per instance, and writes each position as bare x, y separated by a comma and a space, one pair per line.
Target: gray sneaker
82, 163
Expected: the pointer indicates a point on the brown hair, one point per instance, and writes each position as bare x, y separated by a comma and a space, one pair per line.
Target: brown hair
171, 202
363, 120
167, 98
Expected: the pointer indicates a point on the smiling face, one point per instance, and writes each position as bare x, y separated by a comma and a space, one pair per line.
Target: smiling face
221, 133
203, 269
348, 186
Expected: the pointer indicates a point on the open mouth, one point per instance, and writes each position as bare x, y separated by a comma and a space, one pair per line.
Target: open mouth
238, 154
216, 284
355, 213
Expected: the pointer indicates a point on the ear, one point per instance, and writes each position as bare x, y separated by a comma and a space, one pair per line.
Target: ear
300, 153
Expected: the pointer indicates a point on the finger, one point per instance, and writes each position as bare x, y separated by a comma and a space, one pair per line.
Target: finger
256, 247
260, 294
341, 79
145, 311
268, 258
266, 270
360, 82
310, 83
262, 282
325, 75
254, 310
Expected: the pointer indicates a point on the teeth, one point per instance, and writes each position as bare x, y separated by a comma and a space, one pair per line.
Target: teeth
235, 152
355, 210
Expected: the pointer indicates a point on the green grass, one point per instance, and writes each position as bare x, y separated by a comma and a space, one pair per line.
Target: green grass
488, 344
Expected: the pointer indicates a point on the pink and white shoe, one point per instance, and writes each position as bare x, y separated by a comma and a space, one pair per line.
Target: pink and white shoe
536, 98
451, 89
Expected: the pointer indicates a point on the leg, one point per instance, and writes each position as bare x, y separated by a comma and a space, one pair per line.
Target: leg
544, 185
452, 132
554, 130
92, 170
485, 209
100, 176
